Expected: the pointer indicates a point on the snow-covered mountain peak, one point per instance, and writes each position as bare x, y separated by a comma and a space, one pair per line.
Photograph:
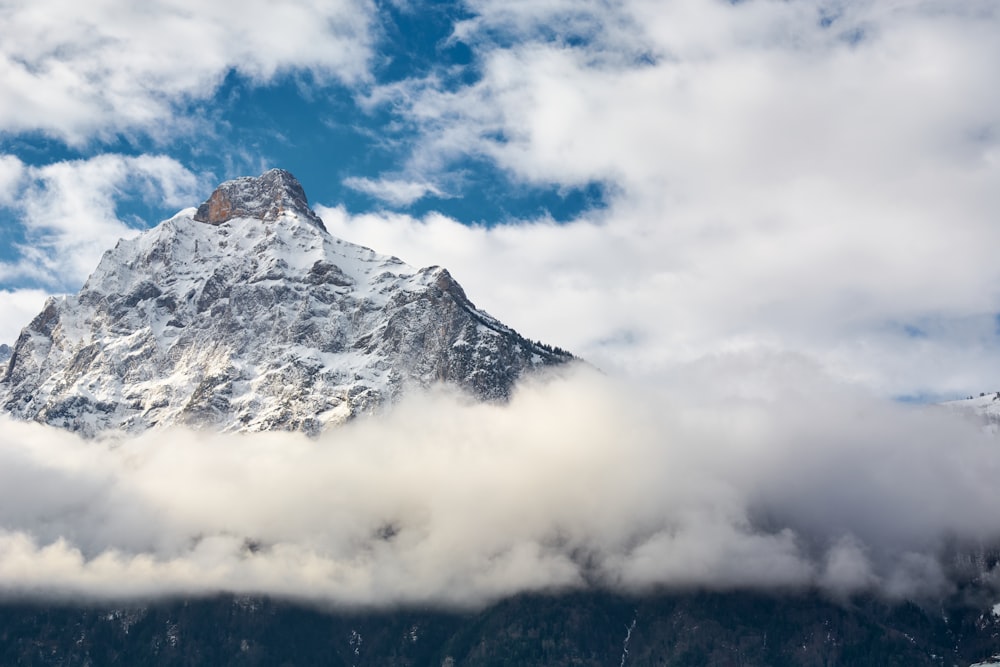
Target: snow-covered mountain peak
985, 409
262, 320
265, 197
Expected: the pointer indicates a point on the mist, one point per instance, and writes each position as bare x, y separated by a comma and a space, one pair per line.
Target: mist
742, 472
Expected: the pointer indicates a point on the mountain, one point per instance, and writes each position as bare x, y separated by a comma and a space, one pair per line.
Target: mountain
983, 409
246, 314
4, 352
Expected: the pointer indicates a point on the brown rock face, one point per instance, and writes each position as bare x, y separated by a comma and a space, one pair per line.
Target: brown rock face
264, 197
216, 210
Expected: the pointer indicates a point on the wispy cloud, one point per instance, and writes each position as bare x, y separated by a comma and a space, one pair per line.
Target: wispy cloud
395, 192
11, 177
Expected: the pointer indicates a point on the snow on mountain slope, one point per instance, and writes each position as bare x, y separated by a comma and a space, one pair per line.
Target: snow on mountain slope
247, 315
984, 409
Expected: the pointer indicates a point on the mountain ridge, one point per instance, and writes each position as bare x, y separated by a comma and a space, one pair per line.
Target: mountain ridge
246, 314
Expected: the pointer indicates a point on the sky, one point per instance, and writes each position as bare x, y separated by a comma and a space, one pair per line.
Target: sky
771, 224
645, 183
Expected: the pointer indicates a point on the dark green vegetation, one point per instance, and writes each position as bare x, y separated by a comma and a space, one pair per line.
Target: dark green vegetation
575, 629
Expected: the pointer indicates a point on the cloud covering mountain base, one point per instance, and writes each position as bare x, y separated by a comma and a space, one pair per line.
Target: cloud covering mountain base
760, 473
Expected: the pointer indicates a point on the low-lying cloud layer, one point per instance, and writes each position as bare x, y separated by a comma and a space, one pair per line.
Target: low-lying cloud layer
759, 473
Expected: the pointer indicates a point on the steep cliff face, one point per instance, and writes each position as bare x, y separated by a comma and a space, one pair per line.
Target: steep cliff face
247, 315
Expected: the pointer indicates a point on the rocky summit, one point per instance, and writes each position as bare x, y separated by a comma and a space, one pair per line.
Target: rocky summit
266, 197
245, 314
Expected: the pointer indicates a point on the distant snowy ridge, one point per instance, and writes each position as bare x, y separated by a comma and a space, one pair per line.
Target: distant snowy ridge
984, 409
246, 314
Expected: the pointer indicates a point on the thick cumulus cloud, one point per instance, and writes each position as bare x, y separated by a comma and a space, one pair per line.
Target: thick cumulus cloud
816, 177
762, 474
74, 70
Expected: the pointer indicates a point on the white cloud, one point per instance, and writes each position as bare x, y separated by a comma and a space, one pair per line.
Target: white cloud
395, 192
601, 290
11, 175
17, 308
68, 212
578, 479
74, 70
608, 27
796, 176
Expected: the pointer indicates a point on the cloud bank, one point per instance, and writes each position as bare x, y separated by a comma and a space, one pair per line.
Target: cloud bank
778, 478
808, 177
